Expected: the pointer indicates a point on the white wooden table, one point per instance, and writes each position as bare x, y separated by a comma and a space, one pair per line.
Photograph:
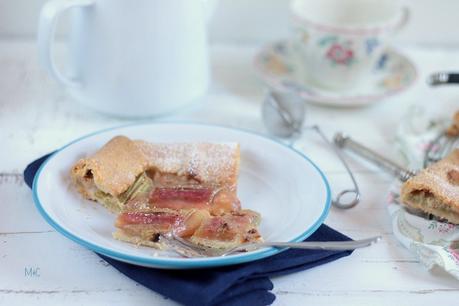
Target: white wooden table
40, 267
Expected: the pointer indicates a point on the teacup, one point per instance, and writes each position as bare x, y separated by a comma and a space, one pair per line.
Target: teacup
339, 42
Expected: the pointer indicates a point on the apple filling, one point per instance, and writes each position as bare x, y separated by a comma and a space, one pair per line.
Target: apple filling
427, 202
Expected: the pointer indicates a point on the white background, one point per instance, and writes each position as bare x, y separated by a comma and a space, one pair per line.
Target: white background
248, 21
37, 116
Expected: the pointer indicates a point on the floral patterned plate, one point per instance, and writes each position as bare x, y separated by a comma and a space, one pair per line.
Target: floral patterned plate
434, 243
278, 67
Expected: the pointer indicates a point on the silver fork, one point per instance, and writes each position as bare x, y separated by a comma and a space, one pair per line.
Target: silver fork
188, 249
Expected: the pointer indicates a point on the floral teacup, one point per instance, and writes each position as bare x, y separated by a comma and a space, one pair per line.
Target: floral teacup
338, 42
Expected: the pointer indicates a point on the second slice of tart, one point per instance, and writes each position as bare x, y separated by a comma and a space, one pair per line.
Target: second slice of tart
435, 190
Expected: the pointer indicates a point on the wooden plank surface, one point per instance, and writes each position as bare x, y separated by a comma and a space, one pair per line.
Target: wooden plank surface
39, 266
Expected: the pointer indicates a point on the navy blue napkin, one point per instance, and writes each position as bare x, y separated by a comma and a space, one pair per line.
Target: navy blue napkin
243, 284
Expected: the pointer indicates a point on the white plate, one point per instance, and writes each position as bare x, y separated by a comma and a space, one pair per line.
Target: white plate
278, 67
289, 191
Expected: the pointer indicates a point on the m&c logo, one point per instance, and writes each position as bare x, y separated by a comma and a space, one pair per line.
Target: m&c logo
32, 272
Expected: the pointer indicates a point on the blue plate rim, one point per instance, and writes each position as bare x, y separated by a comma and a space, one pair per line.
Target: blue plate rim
172, 263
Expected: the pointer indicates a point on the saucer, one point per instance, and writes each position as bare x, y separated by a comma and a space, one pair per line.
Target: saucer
277, 66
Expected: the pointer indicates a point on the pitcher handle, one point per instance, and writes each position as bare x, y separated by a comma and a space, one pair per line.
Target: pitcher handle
49, 16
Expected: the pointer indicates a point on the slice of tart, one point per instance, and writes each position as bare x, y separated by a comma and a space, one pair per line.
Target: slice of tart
187, 188
194, 213
124, 169
198, 226
435, 190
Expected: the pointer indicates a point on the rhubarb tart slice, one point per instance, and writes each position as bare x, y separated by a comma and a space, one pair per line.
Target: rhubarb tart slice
187, 188
124, 169
435, 190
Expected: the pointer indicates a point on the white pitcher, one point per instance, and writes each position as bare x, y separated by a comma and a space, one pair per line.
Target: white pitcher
131, 58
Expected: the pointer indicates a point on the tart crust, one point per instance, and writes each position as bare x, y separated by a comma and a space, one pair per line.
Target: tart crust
453, 129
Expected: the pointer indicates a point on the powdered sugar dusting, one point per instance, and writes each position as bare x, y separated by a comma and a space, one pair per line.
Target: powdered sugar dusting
208, 162
445, 188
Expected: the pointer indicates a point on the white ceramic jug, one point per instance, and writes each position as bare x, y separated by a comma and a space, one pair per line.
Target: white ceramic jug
131, 58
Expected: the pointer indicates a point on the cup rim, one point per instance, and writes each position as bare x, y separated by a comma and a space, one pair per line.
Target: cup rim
390, 25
